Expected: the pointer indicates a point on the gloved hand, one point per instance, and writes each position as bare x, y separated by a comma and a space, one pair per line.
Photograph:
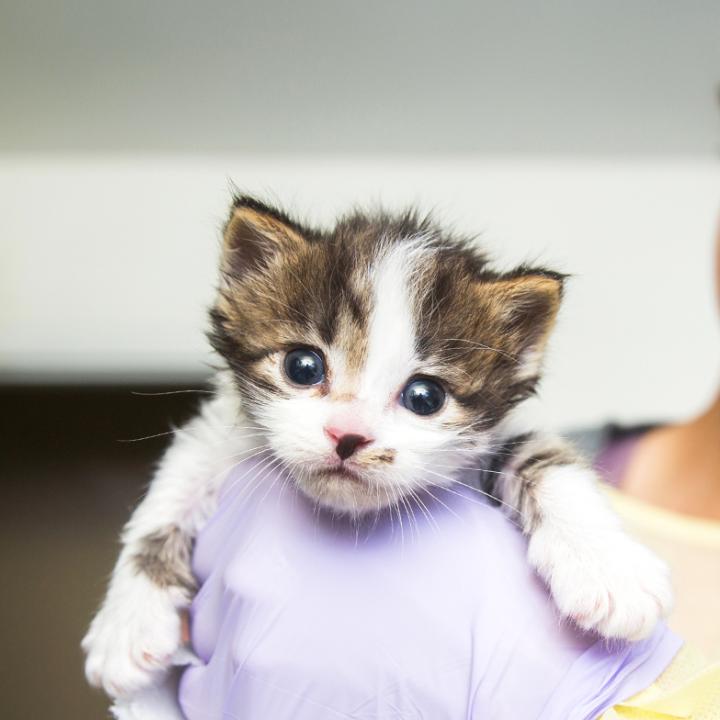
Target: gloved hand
430, 611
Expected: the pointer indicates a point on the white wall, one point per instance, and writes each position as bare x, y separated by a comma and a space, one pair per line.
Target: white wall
615, 77
108, 262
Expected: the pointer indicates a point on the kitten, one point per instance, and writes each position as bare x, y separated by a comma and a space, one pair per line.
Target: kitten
370, 356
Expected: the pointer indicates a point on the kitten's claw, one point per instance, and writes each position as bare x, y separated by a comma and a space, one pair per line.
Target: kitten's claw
615, 587
133, 638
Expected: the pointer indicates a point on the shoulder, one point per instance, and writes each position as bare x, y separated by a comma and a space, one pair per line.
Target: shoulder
592, 441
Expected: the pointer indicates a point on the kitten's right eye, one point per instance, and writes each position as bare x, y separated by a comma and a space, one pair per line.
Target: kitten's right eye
423, 396
304, 367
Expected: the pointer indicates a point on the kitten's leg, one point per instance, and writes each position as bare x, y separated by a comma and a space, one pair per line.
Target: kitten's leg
599, 577
154, 703
137, 630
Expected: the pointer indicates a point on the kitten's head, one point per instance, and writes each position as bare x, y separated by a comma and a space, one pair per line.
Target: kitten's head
378, 356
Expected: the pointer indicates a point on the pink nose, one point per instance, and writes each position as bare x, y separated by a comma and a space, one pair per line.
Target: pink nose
346, 443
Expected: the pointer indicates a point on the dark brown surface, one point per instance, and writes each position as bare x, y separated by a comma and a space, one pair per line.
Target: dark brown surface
69, 484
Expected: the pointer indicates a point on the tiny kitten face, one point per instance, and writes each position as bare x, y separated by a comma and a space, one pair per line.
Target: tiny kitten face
379, 357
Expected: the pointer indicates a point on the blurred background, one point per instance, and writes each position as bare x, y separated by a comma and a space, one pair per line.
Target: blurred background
584, 135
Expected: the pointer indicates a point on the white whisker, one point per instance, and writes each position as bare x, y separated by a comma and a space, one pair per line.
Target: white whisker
140, 393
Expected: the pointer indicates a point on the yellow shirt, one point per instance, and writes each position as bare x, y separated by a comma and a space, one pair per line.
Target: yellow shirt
691, 547
690, 687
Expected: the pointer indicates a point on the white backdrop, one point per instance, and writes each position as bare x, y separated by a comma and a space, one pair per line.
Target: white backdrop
108, 263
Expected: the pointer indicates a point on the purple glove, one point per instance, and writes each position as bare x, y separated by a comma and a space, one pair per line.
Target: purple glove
429, 613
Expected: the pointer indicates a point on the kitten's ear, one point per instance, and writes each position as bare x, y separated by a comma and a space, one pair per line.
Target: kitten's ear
526, 302
254, 234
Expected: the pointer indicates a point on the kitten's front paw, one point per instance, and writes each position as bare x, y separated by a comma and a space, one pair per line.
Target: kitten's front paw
613, 586
133, 637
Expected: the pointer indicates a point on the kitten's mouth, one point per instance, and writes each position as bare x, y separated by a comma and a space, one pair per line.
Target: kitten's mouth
342, 471
342, 487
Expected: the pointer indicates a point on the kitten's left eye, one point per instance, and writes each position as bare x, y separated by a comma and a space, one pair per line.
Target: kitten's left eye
304, 367
423, 396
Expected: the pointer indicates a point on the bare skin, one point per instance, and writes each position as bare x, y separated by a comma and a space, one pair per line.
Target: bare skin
677, 467
185, 629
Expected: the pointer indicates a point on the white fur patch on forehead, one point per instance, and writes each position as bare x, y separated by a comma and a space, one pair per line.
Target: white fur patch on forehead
391, 351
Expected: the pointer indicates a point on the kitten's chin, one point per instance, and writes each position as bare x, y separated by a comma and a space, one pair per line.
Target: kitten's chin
344, 490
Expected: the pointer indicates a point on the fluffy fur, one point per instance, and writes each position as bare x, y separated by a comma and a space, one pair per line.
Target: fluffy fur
382, 299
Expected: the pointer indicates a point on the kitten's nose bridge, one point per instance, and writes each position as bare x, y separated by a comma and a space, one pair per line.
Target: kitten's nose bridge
348, 419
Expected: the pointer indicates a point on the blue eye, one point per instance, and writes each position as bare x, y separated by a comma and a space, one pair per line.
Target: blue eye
423, 396
304, 367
